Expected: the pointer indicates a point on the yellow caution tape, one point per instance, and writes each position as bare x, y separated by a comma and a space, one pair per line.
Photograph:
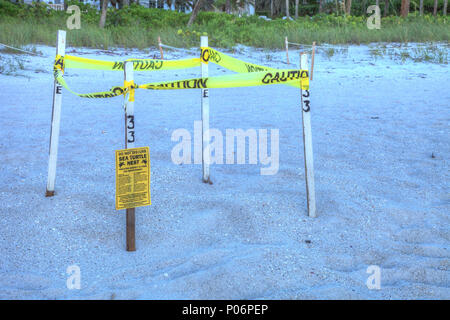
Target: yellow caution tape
236, 80
114, 92
234, 64
204, 55
237, 65
227, 81
138, 64
249, 74
59, 63
129, 87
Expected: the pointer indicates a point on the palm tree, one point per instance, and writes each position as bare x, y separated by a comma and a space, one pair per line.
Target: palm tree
404, 11
228, 6
194, 14
104, 6
348, 6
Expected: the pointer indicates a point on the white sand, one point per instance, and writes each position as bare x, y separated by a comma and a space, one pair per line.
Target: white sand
381, 197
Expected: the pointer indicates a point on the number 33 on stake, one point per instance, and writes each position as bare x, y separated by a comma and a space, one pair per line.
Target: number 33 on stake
305, 95
130, 127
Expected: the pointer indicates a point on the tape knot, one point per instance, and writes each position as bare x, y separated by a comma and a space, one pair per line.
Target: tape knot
129, 87
204, 55
59, 63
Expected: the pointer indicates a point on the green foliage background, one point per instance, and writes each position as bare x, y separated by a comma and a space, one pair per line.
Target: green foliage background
139, 27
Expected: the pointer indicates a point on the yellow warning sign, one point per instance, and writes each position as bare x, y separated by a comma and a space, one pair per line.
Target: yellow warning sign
132, 178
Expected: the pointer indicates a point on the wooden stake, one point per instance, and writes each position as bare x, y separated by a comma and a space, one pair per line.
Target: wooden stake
287, 49
56, 119
206, 157
307, 142
129, 143
312, 59
160, 48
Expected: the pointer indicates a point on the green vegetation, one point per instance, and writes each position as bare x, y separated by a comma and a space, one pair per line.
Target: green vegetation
10, 66
139, 27
403, 53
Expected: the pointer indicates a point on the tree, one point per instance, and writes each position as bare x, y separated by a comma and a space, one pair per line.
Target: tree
444, 11
421, 7
194, 14
104, 5
435, 7
287, 9
321, 6
348, 6
404, 10
296, 9
386, 7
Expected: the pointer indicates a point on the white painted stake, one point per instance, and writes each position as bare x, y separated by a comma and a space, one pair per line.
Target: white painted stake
129, 143
286, 44
206, 156
129, 111
56, 119
307, 142
160, 48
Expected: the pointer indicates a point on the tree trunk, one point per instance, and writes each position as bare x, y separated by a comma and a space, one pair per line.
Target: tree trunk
444, 11
194, 14
435, 7
321, 6
287, 9
421, 7
228, 6
296, 9
404, 10
386, 7
348, 6
271, 8
103, 14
